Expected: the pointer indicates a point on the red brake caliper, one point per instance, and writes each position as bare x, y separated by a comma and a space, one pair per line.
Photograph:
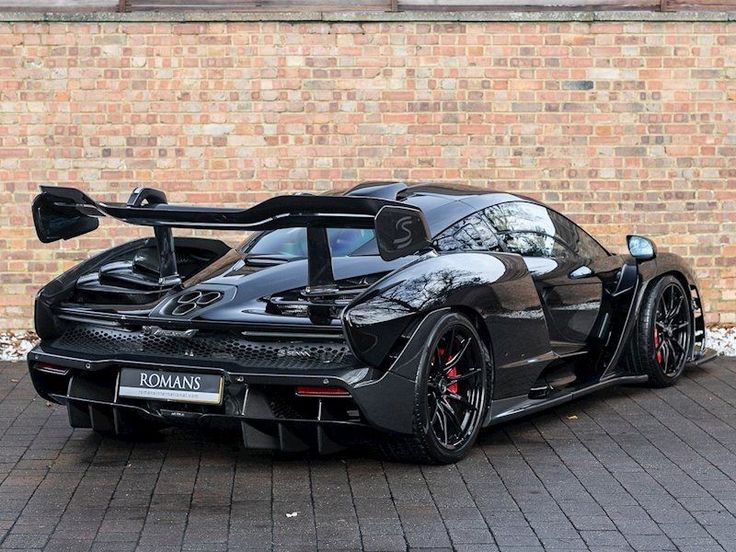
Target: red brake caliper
452, 388
451, 373
657, 341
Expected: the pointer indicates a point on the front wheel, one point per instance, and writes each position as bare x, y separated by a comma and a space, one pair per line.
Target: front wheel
662, 345
451, 394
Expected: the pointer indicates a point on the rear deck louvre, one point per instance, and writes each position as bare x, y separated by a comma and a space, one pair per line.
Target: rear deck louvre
232, 347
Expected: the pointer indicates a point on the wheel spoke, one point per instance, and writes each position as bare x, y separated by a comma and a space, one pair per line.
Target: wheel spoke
675, 309
452, 415
464, 402
672, 301
676, 356
672, 357
450, 343
452, 362
662, 309
676, 343
467, 375
442, 419
435, 413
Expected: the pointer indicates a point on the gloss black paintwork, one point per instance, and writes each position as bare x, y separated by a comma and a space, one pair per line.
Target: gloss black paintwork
495, 288
535, 314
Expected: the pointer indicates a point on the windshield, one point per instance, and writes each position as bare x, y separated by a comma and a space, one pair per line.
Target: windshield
292, 242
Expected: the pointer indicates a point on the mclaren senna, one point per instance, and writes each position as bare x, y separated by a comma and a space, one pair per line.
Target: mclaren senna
405, 316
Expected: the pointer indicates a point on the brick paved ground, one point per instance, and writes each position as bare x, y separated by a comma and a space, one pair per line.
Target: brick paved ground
626, 469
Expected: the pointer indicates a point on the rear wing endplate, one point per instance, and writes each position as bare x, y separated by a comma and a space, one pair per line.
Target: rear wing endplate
61, 213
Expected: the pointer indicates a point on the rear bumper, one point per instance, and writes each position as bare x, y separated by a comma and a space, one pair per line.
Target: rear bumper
262, 402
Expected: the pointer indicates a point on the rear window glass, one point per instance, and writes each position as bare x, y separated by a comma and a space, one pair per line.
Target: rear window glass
292, 242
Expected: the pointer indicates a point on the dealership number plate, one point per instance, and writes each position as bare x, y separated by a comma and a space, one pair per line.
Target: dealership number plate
170, 386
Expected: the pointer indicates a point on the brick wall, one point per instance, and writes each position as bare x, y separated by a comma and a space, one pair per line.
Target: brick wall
625, 126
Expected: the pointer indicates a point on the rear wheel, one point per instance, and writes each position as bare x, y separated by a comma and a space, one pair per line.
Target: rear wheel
450, 399
662, 347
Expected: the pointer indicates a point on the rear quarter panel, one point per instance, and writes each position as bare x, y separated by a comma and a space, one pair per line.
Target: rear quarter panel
495, 289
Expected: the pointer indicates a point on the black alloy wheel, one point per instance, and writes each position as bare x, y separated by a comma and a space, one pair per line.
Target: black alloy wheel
671, 334
455, 390
663, 345
451, 395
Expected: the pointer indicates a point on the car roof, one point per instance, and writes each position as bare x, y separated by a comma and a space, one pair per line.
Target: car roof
442, 204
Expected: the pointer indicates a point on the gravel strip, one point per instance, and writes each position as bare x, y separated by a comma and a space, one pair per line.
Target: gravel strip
722, 340
15, 345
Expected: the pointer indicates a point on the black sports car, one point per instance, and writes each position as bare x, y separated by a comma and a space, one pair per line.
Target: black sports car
405, 316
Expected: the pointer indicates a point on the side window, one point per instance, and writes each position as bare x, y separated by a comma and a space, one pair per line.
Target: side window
525, 217
532, 244
576, 238
470, 234
586, 247
520, 216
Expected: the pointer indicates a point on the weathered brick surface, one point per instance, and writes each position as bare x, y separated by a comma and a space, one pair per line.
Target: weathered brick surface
628, 127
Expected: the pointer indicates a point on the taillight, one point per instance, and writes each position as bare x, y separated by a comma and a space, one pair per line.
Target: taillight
51, 369
321, 392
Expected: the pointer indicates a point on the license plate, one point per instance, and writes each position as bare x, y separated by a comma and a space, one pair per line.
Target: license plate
170, 386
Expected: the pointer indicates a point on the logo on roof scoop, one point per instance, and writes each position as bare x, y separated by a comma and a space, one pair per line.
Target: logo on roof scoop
188, 302
403, 231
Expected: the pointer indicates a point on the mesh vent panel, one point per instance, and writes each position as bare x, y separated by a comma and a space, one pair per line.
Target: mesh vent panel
108, 342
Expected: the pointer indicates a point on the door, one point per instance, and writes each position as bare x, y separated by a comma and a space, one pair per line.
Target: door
562, 260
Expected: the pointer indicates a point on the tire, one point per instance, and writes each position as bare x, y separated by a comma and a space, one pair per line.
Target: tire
454, 374
663, 340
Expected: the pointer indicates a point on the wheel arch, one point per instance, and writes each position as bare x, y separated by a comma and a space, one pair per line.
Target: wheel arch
690, 286
669, 264
477, 319
679, 275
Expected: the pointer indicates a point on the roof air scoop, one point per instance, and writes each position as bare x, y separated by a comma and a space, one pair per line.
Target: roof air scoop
381, 190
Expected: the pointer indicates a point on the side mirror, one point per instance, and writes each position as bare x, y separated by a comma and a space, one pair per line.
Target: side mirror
641, 248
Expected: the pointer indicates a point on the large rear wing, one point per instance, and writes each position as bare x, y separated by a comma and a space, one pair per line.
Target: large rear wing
61, 213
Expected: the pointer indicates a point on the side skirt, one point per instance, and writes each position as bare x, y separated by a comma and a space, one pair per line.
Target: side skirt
516, 407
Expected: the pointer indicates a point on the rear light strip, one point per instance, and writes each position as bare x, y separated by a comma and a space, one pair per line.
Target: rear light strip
51, 369
321, 392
